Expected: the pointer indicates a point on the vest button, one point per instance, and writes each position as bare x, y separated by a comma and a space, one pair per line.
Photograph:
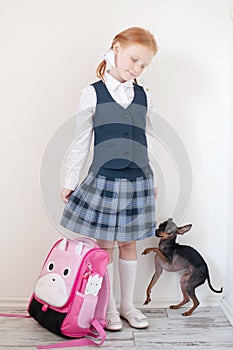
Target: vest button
125, 115
126, 134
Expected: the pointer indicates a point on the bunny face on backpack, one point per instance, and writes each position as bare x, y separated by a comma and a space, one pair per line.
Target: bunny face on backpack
71, 293
58, 274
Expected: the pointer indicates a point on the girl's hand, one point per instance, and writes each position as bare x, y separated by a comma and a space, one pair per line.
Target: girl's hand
65, 194
156, 192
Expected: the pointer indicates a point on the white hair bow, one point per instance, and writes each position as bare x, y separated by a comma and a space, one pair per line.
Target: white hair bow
109, 57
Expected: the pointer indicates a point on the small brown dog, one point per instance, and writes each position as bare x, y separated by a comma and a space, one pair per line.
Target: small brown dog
172, 257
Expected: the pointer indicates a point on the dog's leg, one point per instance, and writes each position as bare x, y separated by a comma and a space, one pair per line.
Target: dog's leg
195, 302
157, 251
148, 251
154, 279
184, 278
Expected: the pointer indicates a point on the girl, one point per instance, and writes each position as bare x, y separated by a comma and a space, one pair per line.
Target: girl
116, 201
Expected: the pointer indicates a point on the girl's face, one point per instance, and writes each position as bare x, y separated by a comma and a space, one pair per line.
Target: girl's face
130, 61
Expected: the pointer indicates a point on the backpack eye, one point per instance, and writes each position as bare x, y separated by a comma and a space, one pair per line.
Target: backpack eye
50, 266
66, 272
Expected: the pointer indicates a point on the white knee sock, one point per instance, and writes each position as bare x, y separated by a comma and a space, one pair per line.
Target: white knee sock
127, 273
112, 302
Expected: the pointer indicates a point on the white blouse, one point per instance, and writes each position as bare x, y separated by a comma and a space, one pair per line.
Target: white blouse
123, 94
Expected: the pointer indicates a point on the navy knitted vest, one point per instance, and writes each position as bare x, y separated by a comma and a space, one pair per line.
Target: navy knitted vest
119, 133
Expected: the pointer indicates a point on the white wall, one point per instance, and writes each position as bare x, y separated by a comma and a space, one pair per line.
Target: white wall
50, 50
228, 301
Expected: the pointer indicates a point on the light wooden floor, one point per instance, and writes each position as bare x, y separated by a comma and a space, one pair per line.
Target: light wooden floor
207, 328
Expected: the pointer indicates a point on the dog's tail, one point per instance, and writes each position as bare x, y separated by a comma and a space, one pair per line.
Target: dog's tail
211, 287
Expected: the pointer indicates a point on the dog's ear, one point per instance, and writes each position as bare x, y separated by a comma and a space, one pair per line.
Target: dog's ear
183, 229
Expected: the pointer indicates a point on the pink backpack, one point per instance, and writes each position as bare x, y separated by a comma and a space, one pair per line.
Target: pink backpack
71, 294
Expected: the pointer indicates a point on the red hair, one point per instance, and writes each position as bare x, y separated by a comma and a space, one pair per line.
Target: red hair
130, 36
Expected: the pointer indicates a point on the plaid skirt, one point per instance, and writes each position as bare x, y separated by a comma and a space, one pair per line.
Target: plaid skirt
112, 210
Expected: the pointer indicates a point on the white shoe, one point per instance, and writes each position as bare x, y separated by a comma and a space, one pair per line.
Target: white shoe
113, 321
136, 318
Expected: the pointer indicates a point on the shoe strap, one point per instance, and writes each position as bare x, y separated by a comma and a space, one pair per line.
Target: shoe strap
135, 313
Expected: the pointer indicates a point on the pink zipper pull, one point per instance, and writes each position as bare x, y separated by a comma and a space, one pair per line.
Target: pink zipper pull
86, 275
45, 307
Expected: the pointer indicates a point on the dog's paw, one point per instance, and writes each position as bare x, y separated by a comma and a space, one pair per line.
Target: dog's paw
146, 251
187, 313
147, 301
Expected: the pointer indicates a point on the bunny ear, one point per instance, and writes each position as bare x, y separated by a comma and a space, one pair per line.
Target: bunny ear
79, 248
62, 244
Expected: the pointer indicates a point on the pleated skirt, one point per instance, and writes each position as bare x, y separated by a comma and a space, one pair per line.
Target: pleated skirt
112, 209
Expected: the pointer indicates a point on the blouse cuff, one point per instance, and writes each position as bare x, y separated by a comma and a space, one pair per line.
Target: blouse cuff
70, 184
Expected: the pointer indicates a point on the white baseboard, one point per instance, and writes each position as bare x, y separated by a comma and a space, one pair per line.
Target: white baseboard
14, 303
166, 302
227, 309
158, 303
161, 303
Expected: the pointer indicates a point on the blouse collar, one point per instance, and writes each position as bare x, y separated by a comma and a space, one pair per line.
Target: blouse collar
114, 84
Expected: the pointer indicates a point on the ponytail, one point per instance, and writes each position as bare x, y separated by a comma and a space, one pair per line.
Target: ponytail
101, 69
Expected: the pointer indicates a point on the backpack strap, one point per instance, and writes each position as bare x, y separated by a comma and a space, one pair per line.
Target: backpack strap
100, 338
16, 315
